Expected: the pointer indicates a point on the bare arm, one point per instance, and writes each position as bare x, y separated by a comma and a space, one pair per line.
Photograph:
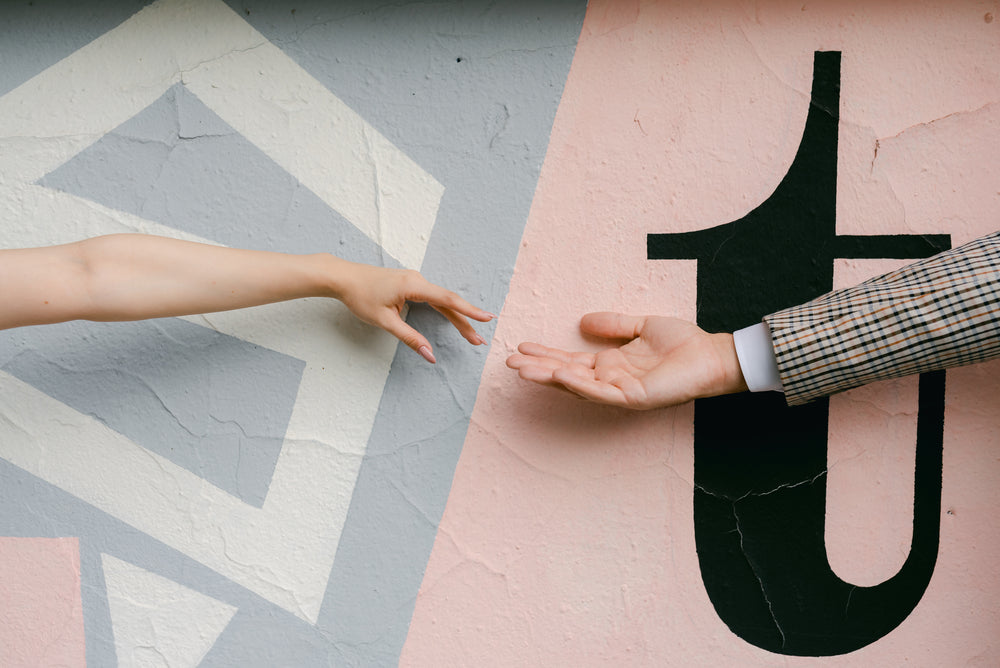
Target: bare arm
134, 276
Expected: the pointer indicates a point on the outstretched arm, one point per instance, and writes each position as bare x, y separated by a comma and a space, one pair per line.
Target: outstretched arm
659, 362
135, 276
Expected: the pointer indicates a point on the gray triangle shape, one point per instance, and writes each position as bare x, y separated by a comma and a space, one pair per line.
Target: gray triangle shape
177, 163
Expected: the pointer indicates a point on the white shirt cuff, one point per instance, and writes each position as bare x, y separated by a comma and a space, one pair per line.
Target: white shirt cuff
757, 360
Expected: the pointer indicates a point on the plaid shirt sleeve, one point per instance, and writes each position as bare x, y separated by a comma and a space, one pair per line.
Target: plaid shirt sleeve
933, 314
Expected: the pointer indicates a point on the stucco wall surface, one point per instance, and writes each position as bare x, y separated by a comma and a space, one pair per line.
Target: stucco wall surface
569, 538
285, 486
258, 488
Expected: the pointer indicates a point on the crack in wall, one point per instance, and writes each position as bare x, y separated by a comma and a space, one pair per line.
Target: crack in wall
805, 94
532, 466
926, 124
314, 25
411, 503
785, 486
751, 493
466, 558
181, 73
417, 444
258, 572
849, 595
539, 49
739, 531
760, 580
466, 411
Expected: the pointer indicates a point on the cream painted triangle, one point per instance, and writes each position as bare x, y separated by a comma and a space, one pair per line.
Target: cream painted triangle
157, 621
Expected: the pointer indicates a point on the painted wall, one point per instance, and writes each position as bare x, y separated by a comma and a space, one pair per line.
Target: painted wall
286, 486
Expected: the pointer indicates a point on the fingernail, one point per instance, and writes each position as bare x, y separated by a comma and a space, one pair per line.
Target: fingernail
426, 353
481, 340
493, 316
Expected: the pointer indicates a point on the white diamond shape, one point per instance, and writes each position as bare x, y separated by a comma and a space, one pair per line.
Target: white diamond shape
283, 551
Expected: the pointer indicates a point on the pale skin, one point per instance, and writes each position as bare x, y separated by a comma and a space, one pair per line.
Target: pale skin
135, 276
656, 362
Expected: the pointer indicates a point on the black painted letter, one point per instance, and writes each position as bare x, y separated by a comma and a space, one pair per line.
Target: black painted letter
760, 467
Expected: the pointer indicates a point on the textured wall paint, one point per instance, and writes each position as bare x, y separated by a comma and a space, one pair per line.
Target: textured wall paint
568, 538
274, 476
41, 615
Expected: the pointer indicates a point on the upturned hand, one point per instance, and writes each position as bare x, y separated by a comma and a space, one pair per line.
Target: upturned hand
662, 362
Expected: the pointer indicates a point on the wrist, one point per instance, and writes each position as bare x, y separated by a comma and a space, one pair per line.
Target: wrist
732, 380
331, 275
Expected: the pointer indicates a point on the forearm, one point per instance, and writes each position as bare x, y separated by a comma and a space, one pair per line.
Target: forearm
131, 277
933, 314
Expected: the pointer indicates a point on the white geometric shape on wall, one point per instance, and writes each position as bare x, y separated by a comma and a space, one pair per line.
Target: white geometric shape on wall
252, 85
283, 551
159, 622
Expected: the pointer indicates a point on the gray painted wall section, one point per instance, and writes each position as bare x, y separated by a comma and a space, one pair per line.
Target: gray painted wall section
214, 404
469, 91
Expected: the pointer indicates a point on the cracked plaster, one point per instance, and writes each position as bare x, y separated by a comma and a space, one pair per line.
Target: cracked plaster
527, 83
640, 466
719, 93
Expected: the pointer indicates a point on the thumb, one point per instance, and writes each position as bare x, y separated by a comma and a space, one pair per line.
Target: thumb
612, 325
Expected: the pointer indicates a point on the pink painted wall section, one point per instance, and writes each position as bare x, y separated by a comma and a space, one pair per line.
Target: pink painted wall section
568, 538
41, 616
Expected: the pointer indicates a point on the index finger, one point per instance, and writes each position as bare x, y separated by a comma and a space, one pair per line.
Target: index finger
538, 350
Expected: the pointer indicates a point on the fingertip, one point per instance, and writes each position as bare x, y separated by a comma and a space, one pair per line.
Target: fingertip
477, 313
471, 335
517, 361
599, 320
475, 339
413, 339
535, 374
482, 316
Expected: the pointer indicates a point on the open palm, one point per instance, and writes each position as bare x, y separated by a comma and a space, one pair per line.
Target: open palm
664, 362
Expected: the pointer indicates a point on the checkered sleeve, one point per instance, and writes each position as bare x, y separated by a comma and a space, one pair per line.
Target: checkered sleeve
933, 314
